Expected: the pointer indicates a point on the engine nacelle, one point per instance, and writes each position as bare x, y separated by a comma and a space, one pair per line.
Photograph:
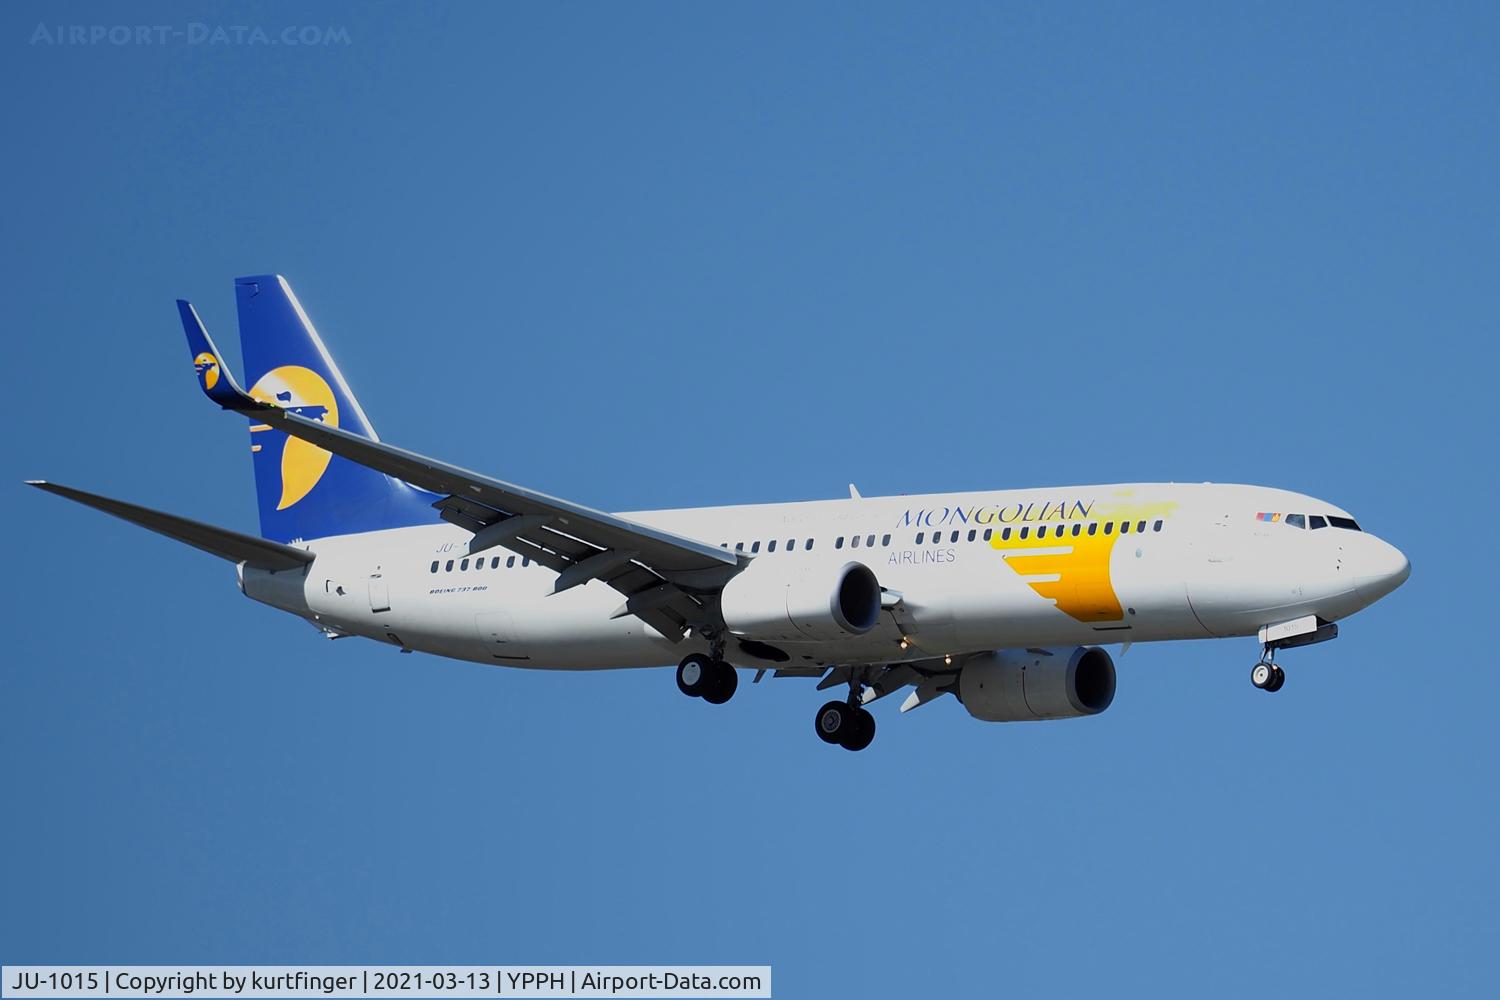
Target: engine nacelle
764, 603
1019, 685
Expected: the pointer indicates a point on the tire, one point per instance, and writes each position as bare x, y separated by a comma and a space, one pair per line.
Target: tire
833, 721
1261, 675
1278, 678
693, 675
722, 682
861, 733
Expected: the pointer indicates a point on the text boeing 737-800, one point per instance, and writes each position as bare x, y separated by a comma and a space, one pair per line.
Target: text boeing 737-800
999, 598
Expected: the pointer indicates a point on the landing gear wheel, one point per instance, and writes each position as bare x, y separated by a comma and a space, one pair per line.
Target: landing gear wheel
1278, 678
834, 721
861, 733
721, 684
1262, 674
693, 675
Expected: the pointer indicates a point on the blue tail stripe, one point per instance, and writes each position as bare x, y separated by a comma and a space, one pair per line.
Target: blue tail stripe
304, 492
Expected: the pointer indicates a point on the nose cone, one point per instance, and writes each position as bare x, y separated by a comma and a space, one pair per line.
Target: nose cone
1380, 568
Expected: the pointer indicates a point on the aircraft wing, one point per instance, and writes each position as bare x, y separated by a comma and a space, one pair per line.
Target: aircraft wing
663, 576
932, 678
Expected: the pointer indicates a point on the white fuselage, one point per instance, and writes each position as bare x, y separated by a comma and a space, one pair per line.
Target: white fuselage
1206, 564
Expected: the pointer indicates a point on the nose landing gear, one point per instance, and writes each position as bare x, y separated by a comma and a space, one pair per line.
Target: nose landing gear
1266, 675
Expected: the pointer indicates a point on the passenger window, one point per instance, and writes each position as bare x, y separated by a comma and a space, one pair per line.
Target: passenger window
1077, 529
870, 542
1296, 520
1094, 528
954, 538
449, 567
1060, 529
937, 537
434, 565
464, 564
885, 541
1025, 532
808, 546
1140, 526
739, 546
510, 562
1005, 535
972, 534
1316, 521
854, 542
921, 535
771, 545
525, 561
989, 533
495, 563
791, 545
1109, 527
838, 543
1156, 526
1124, 527
754, 547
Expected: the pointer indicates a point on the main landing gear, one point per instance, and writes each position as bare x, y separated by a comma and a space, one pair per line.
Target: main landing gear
846, 723
707, 677
1266, 675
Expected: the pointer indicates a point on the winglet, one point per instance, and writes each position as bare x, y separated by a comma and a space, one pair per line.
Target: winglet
214, 377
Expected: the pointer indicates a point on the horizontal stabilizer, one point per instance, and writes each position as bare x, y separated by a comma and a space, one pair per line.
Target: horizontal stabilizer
221, 542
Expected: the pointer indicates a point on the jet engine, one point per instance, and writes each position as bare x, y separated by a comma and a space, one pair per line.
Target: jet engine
1019, 685
764, 603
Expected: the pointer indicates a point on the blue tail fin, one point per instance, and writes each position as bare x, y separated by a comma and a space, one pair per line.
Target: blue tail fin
304, 492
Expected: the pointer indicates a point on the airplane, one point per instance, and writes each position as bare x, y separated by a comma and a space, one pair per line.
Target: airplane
1004, 599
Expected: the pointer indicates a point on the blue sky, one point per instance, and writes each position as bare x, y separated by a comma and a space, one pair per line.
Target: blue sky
664, 255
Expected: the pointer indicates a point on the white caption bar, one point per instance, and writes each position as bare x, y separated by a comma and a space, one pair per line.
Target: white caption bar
377, 981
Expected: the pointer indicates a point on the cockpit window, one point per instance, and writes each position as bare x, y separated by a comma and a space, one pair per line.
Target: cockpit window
1296, 520
1343, 522
1316, 521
